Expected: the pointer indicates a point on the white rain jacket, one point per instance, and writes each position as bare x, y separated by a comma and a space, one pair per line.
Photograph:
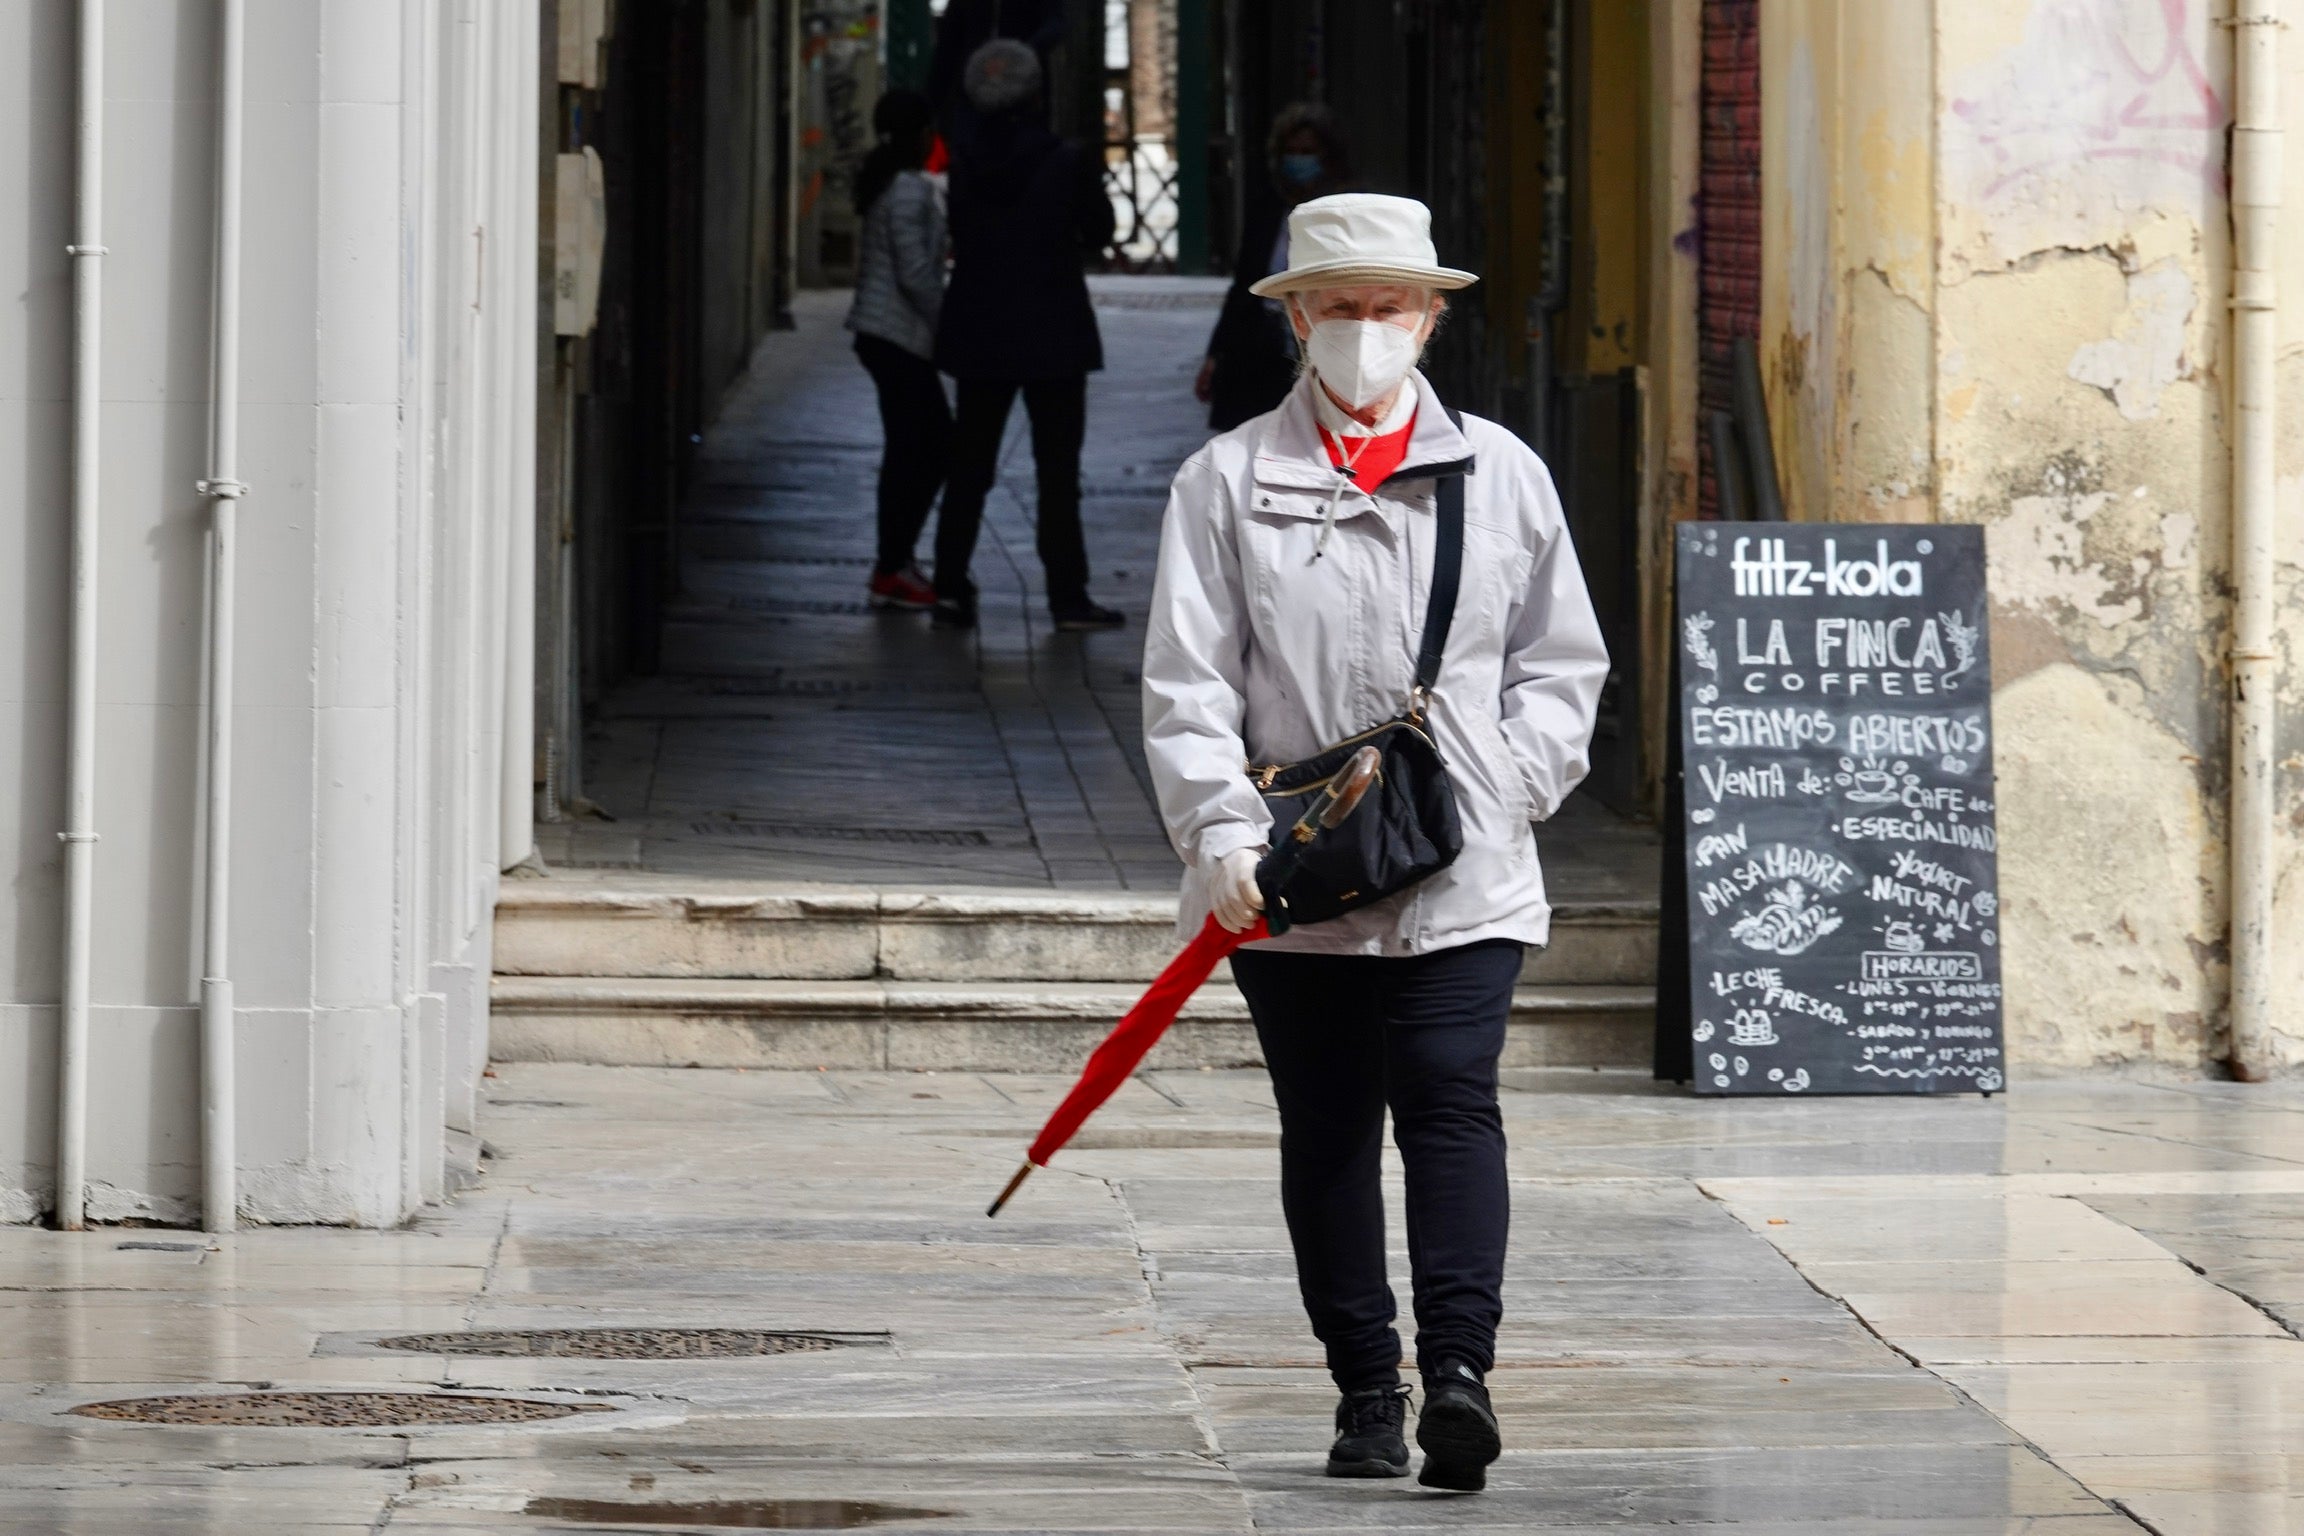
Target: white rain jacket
1258, 653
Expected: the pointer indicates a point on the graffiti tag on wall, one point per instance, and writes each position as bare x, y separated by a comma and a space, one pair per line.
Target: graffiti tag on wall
2104, 109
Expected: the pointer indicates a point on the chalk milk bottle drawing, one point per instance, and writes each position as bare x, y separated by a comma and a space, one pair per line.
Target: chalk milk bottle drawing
1839, 842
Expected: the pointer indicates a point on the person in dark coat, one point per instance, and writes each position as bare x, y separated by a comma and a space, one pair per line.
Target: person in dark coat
1028, 210
1251, 361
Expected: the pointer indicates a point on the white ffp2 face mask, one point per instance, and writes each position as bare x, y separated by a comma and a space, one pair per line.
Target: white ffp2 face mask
1361, 360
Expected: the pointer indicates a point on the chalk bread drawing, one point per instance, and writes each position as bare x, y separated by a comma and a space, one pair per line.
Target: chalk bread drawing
1797, 1082
1751, 1027
1990, 1080
1787, 921
1704, 1029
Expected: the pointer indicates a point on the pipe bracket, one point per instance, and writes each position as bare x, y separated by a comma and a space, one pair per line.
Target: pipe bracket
221, 490
87, 250
78, 837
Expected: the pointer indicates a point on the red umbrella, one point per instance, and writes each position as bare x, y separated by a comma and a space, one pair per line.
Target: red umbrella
1143, 1025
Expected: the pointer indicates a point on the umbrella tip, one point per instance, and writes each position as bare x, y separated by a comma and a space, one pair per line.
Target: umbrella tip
1013, 1185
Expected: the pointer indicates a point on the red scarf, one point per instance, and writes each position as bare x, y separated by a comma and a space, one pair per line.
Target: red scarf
1375, 458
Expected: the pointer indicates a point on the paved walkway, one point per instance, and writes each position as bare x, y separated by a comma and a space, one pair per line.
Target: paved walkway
794, 734
2067, 1312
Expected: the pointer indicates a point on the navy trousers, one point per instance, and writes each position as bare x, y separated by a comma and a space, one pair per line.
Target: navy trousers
1346, 1037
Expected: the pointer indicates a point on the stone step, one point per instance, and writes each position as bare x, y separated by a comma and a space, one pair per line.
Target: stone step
641, 926
986, 1026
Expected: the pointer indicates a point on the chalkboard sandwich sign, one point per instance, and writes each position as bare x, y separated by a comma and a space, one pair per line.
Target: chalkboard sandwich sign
1835, 798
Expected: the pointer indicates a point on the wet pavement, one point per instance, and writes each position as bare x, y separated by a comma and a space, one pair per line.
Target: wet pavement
2071, 1310
794, 734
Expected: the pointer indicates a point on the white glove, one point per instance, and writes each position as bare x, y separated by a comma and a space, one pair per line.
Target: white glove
1232, 890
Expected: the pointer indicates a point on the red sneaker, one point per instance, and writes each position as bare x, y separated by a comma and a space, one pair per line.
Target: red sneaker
906, 589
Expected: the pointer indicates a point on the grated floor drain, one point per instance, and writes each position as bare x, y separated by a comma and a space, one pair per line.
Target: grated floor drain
1189, 299
618, 1343
331, 1410
797, 607
779, 831
807, 687
750, 1515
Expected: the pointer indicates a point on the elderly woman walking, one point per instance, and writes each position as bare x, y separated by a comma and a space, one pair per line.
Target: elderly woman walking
1362, 563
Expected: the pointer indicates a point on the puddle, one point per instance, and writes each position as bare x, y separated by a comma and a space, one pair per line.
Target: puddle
1123, 1138
737, 1514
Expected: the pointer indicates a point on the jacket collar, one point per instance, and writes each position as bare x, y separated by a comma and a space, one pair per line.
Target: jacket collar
1290, 453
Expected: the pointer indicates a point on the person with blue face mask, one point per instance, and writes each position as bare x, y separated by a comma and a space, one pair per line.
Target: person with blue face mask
1252, 353
1301, 168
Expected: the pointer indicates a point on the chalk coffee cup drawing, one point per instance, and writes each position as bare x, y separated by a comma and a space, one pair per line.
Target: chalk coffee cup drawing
1873, 782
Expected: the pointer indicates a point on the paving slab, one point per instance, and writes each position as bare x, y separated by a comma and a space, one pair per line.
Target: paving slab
1862, 1345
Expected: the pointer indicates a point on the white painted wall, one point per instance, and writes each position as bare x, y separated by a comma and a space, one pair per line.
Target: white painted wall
390, 321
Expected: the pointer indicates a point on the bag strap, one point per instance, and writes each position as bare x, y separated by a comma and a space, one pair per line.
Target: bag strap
1447, 574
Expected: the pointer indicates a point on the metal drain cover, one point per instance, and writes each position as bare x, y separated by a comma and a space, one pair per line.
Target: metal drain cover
779, 831
331, 1410
618, 1343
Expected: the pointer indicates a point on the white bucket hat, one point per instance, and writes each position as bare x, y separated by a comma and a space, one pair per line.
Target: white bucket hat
1361, 237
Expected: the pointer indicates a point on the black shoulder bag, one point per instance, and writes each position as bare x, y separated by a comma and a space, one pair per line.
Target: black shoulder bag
1407, 827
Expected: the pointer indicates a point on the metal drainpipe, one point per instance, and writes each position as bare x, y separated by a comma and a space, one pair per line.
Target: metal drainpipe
219, 1185
79, 834
2255, 338
515, 213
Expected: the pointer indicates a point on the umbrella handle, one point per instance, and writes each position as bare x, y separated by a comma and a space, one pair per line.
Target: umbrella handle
1014, 1184
1345, 790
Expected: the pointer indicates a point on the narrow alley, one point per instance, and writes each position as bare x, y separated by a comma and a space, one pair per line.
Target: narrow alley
795, 735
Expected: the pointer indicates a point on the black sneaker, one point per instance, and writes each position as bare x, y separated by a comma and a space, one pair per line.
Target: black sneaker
954, 613
1368, 1438
1457, 1430
1082, 615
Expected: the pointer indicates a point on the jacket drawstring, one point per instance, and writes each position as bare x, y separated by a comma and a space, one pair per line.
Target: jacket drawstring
1336, 497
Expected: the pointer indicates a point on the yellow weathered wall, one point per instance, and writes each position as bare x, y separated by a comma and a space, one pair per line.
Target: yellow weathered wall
1999, 259
1674, 99
1848, 233
1606, 312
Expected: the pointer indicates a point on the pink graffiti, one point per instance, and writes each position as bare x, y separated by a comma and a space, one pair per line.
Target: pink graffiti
2074, 93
